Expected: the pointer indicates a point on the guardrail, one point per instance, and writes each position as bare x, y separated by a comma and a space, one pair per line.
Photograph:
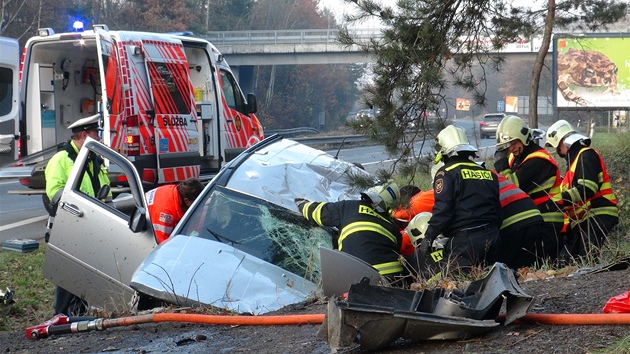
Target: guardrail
331, 139
305, 36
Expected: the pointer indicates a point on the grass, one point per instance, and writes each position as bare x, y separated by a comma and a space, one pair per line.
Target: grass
23, 273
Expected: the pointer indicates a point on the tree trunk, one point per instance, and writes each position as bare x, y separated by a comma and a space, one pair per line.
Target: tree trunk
539, 63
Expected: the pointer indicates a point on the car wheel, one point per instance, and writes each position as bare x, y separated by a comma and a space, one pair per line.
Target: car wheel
46, 202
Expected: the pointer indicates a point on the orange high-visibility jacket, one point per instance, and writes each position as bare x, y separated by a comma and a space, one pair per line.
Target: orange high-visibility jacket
165, 210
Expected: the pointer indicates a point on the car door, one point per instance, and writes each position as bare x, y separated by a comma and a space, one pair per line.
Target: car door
94, 246
9, 69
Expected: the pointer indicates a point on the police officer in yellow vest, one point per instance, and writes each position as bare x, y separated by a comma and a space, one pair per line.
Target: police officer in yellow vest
587, 197
532, 169
57, 172
366, 230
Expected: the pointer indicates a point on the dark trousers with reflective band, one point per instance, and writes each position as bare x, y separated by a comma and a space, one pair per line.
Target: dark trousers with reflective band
518, 248
68, 304
470, 248
586, 238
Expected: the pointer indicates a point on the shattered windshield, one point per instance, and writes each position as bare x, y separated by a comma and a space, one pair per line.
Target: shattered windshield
263, 229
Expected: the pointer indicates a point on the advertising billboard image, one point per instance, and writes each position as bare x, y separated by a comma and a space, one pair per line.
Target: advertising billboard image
592, 71
462, 104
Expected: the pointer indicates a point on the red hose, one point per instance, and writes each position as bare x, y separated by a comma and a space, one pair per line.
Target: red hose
215, 319
576, 318
44, 330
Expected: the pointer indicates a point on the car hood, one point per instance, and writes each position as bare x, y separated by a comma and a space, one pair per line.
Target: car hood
197, 268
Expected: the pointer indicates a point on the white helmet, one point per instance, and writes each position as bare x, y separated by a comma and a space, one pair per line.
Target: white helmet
417, 227
383, 197
563, 130
452, 140
510, 129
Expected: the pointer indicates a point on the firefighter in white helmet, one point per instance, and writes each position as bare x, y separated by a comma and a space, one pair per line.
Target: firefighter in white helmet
366, 230
528, 165
586, 192
467, 210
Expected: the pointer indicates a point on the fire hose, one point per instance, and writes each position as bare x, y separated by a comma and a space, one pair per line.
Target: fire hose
61, 324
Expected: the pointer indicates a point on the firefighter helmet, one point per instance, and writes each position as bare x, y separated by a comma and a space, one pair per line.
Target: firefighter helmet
417, 227
451, 140
383, 197
563, 130
510, 129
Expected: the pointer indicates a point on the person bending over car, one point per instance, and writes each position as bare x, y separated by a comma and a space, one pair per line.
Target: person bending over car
168, 203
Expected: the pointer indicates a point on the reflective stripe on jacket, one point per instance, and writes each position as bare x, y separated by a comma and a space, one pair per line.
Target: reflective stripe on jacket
363, 232
519, 209
574, 188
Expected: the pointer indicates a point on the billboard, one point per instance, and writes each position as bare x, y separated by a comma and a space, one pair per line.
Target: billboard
511, 104
462, 104
591, 71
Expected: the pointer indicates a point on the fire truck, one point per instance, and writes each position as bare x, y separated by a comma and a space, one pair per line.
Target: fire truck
168, 102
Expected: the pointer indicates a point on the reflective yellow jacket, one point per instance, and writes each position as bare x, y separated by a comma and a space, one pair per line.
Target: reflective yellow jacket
59, 167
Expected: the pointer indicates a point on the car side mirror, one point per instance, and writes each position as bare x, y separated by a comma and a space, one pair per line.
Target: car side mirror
252, 105
138, 220
103, 192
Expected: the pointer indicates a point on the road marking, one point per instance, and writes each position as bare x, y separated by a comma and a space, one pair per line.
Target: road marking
8, 182
23, 222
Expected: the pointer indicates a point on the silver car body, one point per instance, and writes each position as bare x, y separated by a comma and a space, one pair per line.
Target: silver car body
245, 260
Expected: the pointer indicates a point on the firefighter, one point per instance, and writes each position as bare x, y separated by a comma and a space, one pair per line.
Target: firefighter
56, 174
168, 203
519, 158
467, 210
365, 228
519, 231
520, 227
587, 197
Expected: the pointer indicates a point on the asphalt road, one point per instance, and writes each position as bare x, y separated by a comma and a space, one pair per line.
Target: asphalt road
20, 216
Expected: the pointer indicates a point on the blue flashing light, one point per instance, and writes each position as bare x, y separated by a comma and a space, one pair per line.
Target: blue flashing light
77, 25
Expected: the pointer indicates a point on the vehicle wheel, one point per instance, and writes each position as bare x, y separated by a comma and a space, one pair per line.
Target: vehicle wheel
46, 202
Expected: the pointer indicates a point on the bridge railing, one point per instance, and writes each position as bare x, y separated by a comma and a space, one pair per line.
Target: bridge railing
305, 36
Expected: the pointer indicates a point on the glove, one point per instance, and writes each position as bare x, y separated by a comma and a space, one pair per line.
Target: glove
501, 154
425, 247
500, 160
300, 201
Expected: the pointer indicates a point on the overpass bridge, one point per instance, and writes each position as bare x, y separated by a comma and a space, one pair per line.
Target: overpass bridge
245, 49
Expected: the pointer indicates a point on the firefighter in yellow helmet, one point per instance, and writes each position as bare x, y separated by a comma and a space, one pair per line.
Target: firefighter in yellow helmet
366, 230
587, 196
528, 165
467, 210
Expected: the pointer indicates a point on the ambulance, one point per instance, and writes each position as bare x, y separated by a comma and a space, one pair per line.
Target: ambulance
168, 102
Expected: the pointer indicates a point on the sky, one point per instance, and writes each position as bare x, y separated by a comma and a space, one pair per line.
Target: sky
340, 7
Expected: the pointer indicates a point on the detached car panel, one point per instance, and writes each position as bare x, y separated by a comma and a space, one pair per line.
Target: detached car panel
241, 246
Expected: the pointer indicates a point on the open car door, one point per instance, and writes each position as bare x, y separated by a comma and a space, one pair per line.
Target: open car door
94, 246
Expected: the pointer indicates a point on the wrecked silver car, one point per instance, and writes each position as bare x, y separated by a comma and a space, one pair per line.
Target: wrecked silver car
241, 246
